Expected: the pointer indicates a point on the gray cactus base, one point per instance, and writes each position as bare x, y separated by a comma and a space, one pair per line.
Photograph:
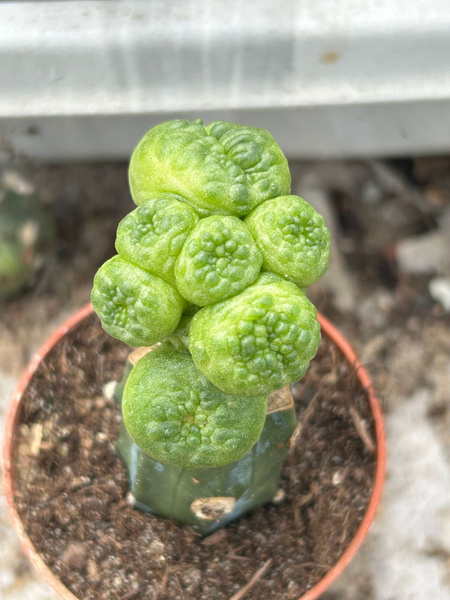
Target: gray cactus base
209, 498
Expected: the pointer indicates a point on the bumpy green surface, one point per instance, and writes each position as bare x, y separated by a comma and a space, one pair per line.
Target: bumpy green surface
152, 235
219, 259
258, 341
178, 417
223, 168
200, 399
293, 238
133, 305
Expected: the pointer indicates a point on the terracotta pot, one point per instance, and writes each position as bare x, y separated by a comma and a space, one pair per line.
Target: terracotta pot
328, 330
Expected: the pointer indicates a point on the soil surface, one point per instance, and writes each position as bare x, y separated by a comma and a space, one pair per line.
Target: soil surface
71, 489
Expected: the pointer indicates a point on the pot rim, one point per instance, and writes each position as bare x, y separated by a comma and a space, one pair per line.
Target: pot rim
14, 413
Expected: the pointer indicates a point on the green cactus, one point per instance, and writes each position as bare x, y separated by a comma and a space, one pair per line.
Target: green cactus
258, 341
191, 423
188, 275
27, 238
219, 259
133, 305
152, 235
223, 168
226, 491
293, 238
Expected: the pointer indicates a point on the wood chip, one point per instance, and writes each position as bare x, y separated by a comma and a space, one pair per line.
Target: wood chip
256, 577
130, 596
177, 581
215, 538
361, 428
36, 438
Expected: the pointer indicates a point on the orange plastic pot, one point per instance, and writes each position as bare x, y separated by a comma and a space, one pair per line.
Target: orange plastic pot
13, 418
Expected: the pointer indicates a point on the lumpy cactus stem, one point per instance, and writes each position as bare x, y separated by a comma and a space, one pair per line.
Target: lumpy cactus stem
209, 497
211, 270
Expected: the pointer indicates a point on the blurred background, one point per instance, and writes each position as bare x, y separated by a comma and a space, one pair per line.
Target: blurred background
357, 94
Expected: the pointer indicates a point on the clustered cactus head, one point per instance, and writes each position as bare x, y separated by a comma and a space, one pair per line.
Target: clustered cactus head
223, 169
212, 263
177, 415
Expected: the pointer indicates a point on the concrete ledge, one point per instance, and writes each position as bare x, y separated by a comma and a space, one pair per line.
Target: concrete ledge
331, 78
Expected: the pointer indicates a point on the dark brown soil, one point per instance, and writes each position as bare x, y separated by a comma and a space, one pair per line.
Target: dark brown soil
71, 489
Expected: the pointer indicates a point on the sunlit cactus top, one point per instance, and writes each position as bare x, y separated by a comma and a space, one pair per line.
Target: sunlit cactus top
223, 168
213, 262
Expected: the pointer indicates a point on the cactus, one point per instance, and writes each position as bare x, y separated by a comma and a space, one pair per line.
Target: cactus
27, 236
211, 266
258, 341
223, 168
219, 259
